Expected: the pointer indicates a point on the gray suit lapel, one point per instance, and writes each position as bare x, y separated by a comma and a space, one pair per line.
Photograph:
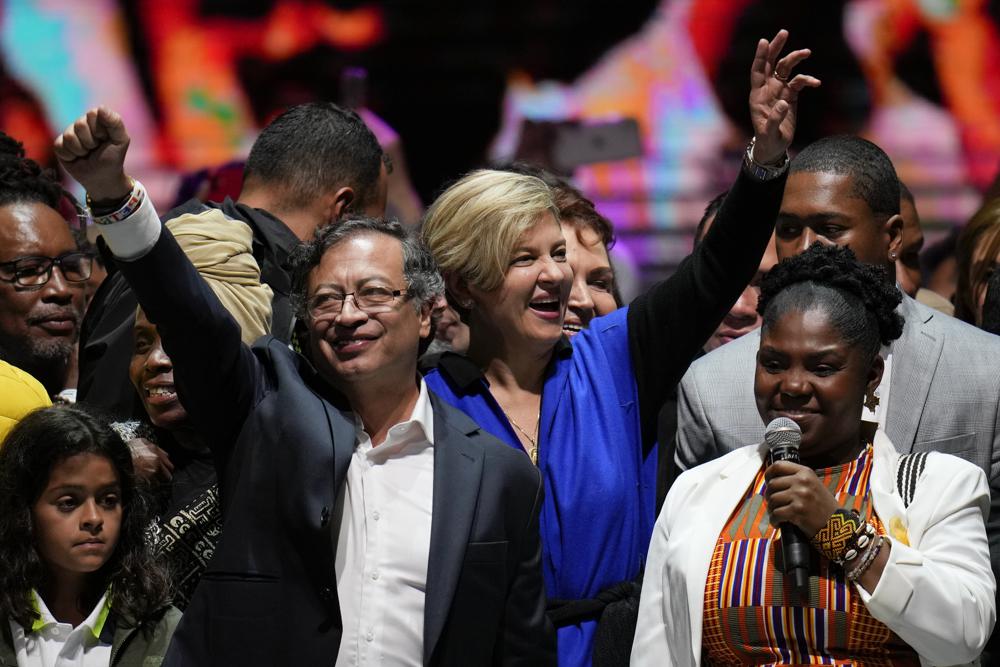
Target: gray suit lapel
914, 359
458, 469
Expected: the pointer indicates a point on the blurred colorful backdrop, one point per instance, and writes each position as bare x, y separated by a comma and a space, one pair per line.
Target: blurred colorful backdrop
459, 83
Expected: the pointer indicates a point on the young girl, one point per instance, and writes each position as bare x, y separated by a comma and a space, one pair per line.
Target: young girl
78, 585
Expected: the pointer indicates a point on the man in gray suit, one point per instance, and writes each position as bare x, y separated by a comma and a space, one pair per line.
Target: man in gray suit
941, 388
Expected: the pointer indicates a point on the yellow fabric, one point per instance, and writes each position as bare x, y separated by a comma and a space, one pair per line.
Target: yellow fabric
898, 531
19, 394
221, 250
102, 616
935, 301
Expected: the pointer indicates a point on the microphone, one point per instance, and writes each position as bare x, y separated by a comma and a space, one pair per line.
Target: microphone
783, 437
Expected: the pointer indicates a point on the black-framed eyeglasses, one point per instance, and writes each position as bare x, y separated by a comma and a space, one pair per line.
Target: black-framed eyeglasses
36, 270
371, 299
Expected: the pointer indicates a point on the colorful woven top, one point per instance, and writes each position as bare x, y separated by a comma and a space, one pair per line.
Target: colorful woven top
747, 619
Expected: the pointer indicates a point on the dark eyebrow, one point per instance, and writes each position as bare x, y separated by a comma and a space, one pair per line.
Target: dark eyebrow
361, 283
822, 216
832, 350
66, 488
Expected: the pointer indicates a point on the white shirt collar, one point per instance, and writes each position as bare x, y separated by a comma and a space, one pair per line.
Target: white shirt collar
419, 428
94, 622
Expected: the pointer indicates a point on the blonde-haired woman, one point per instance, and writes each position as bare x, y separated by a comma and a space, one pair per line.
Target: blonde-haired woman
586, 412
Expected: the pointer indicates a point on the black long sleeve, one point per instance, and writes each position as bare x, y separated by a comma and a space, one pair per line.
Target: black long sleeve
218, 378
670, 322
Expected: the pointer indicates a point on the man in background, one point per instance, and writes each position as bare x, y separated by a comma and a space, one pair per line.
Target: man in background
908, 262
43, 276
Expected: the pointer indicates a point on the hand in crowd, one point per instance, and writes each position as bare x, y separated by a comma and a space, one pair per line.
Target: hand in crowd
92, 151
795, 495
150, 462
774, 95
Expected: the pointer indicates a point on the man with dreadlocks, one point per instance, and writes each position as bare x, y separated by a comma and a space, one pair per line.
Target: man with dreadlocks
43, 273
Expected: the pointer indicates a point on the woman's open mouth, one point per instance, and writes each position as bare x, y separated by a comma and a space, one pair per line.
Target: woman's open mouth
548, 308
161, 394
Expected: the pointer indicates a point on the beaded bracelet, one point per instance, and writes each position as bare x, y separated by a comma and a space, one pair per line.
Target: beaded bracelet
866, 562
843, 537
130, 206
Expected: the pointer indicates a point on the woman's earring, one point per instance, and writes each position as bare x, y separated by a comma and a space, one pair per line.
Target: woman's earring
468, 304
871, 399
892, 256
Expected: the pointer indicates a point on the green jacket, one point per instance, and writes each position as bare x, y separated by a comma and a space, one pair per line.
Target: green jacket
137, 646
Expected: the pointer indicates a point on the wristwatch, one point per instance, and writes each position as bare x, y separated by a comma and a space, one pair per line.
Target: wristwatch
763, 172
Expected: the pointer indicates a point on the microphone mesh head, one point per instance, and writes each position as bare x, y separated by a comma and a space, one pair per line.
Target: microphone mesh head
783, 432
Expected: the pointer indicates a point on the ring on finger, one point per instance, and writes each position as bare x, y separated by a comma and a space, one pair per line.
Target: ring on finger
776, 75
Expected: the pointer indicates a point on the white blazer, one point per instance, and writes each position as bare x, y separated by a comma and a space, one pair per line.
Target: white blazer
937, 591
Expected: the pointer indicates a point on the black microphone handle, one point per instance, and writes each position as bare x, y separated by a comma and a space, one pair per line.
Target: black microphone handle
795, 555
795, 547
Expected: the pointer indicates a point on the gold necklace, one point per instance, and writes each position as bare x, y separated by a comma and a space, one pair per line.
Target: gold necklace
533, 452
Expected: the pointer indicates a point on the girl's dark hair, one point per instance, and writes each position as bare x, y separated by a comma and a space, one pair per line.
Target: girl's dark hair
860, 299
44, 438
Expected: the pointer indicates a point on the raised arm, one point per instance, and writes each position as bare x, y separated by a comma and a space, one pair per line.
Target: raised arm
669, 323
217, 377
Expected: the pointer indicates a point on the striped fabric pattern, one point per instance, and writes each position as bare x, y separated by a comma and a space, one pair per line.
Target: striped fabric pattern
910, 468
750, 620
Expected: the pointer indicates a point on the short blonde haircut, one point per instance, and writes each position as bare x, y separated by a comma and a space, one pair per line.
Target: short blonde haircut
473, 227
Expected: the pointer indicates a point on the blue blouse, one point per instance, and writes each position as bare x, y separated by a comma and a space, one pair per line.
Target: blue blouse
600, 491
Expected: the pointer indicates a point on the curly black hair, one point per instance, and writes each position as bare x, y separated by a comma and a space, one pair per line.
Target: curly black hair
860, 299
10, 147
22, 180
139, 585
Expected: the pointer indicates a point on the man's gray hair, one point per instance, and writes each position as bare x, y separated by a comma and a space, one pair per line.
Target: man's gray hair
423, 281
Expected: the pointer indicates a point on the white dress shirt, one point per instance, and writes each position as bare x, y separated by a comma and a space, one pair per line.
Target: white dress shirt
383, 542
55, 644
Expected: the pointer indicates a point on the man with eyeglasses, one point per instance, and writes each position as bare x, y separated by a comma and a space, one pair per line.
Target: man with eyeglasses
43, 277
365, 520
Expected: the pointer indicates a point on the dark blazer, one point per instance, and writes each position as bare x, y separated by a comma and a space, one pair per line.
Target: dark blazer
282, 439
